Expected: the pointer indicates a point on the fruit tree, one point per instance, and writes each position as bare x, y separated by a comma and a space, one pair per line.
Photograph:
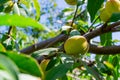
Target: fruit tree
59, 39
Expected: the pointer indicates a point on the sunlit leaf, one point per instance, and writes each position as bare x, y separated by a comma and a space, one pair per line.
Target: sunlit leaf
26, 3
20, 21
43, 66
109, 65
4, 75
9, 66
27, 77
2, 48
37, 8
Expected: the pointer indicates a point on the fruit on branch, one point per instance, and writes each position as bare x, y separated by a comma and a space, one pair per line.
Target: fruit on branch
71, 2
104, 16
76, 45
111, 6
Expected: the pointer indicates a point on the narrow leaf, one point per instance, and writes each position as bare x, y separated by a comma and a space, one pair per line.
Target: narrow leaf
109, 65
106, 39
92, 71
37, 8
21, 21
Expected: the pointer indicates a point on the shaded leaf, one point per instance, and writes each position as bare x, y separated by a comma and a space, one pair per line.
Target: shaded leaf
115, 17
106, 39
1, 8
52, 63
3, 1
92, 71
115, 61
58, 71
26, 63
93, 6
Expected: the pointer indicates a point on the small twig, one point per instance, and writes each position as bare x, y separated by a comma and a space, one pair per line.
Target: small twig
101, 30
9, 31
91, 26
79, 14
18, 1
74, 15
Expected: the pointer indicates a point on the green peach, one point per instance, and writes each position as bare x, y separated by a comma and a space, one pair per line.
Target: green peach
76, 45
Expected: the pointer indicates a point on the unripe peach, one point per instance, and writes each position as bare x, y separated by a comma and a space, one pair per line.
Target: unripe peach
111, 6
76, 45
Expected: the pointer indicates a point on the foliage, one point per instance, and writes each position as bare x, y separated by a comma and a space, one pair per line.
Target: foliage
25, 22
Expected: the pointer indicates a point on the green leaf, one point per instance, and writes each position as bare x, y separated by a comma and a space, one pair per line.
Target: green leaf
58, 71
37, 8
115, 17
21, 21
115, 61
93, 6
1, 8
106, 39
46, 51
3, 1
2, 48
9, 66
4, 75
26, 63
27, 3
92, 71
52, 63
109, 65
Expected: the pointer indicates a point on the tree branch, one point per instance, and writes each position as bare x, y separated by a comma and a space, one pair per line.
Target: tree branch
101, 30
107, 50
93, 49
44, 44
